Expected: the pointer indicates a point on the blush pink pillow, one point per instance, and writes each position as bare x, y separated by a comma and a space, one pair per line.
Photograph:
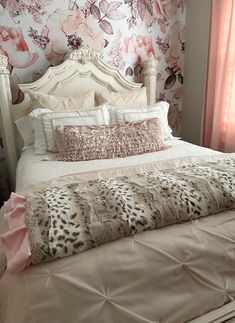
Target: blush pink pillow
105, 142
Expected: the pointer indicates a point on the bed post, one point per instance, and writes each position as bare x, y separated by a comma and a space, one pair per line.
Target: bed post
6, 121
150, 78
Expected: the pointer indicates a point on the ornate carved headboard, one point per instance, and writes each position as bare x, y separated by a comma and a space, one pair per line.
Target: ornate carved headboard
84, 70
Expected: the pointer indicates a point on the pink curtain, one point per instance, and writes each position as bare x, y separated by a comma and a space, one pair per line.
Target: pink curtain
218, 131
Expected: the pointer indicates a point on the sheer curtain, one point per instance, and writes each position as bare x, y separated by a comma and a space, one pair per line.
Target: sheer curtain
218, 131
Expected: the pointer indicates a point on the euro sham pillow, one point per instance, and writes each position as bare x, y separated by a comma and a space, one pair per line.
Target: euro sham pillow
55, 103
58, 103
44, 122
158, 110
132, 98
105, 142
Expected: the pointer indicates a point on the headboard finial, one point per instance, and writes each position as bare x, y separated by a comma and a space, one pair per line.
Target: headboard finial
3, 62
6, 125
150, 66
150, 78
85, 54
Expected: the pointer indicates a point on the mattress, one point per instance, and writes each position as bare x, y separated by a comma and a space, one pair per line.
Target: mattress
171, 275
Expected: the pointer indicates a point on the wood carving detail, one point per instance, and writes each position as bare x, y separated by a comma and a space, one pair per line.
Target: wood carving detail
85, 54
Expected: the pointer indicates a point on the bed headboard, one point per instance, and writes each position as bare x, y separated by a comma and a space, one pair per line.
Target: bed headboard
84, 70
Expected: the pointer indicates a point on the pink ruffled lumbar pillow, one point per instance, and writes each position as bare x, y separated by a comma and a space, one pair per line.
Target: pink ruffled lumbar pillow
112, 141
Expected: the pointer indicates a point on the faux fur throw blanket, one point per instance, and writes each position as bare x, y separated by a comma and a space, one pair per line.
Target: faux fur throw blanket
66, 220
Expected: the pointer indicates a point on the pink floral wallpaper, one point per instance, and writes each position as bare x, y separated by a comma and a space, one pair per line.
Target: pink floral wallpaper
39, 33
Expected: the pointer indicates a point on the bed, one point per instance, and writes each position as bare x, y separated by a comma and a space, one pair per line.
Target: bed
184, 272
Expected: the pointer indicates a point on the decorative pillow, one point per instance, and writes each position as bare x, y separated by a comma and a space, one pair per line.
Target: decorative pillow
132, 98
158, 110
105, 142
44, 122
59, 103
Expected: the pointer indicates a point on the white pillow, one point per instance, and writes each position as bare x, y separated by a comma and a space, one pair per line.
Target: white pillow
55, 103
25, 130
128, 99
45, 121
158, 110
58, 103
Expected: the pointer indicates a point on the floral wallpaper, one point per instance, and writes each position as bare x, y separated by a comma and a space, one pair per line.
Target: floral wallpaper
40, 33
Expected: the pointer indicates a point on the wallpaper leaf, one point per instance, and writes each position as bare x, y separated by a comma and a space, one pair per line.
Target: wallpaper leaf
39, 40
104, 6
129, 71
141, 7
95, 11
106, 27
180, 78
158, 8
113, 5
73, 5
149, 6
115, 15
3, 3
106, 42
169, 70
170, 82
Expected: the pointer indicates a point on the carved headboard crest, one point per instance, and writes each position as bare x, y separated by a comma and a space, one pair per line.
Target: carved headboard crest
85, 54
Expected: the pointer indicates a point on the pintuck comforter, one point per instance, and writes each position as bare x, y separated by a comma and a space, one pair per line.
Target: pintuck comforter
182, 266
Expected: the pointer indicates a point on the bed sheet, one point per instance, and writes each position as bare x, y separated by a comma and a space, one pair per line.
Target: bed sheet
32, 168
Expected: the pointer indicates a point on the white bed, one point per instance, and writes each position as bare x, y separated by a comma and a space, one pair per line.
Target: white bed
176, 274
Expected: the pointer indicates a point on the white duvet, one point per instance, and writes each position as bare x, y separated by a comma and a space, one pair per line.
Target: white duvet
170, 275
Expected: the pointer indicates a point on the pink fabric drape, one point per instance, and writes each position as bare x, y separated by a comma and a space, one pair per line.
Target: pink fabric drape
218, 131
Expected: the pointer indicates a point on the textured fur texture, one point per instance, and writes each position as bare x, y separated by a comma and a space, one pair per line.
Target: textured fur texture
71, 218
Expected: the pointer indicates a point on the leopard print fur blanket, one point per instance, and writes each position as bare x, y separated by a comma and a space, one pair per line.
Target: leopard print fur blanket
68, 219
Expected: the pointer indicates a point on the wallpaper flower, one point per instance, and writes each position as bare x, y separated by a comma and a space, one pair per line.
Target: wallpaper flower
12, 43
40, 33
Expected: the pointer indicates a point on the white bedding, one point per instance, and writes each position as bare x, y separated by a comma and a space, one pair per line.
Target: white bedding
170, 275
33, 168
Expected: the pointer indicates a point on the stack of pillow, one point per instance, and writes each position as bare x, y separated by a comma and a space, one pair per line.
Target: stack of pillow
95, 125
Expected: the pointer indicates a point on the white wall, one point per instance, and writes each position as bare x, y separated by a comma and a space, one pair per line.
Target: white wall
197, 41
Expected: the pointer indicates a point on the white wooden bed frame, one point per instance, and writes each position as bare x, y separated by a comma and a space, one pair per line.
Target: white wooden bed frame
83, 70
